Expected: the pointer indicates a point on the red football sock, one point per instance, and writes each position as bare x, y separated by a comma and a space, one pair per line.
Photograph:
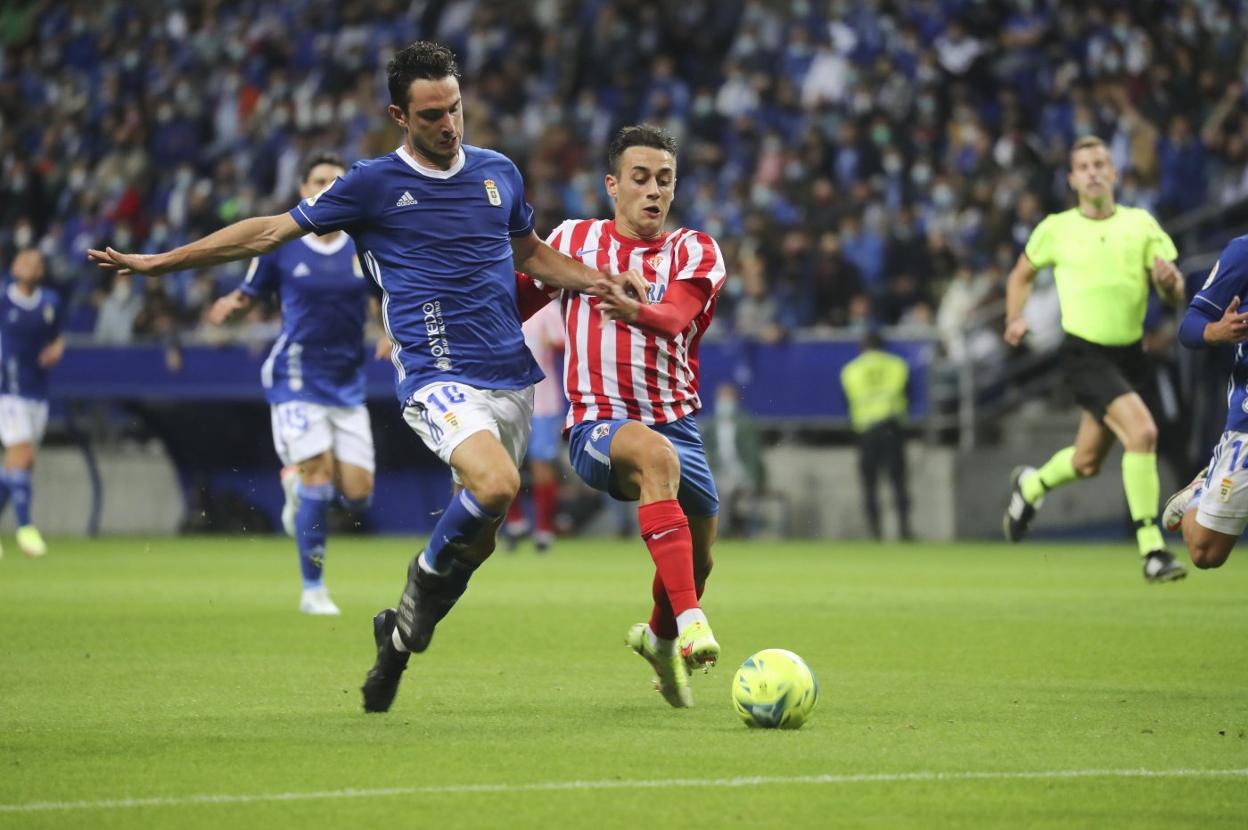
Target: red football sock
515, 513
546, 504
666, 533
662, 620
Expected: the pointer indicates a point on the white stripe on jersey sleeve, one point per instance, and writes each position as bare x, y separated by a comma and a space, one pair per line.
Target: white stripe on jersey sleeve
252, 267
699, 246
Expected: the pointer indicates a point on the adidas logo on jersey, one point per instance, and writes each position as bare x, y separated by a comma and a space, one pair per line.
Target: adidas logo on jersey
406, 200
302, 270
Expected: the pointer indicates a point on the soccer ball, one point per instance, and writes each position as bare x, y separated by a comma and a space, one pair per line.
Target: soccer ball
774, 689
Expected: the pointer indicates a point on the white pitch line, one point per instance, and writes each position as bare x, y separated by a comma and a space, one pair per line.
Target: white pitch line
613, 784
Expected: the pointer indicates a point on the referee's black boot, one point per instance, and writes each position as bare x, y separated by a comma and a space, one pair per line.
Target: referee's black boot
1161, 566
1018, 513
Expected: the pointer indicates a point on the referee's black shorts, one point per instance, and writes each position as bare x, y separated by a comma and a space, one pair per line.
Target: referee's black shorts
1098, 374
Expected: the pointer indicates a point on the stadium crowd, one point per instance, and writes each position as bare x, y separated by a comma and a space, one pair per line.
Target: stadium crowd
861, 162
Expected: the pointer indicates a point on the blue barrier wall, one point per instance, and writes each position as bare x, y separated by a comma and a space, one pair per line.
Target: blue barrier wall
799, 380
212, 418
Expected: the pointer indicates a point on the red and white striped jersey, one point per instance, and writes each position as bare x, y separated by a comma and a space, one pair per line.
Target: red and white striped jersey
613, 370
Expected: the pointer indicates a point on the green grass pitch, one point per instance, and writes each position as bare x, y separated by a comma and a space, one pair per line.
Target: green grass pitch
172, 683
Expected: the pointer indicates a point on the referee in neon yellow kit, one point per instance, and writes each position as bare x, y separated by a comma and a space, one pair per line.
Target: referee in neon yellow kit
1104, 257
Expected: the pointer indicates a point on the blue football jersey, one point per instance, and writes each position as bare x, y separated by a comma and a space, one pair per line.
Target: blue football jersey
27, 326
319, 355
438, 244
1227, 280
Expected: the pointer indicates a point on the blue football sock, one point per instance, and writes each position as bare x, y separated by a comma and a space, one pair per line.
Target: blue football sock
4, 489
18, 482
462, 520
312, 530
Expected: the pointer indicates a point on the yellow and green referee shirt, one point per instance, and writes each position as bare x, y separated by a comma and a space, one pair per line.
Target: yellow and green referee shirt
875, 386
1102, 268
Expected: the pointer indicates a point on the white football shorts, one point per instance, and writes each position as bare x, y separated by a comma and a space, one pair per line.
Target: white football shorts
1224, 498
22, 420
445, 414
303, 430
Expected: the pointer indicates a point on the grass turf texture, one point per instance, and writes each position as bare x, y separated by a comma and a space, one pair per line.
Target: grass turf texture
150, 668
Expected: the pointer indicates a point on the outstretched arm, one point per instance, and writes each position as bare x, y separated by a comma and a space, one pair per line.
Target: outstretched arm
242, 240
544, 263
683, 301
1017, 291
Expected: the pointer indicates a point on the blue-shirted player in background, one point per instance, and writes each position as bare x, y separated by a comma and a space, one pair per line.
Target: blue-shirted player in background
1212, 510
314, 379
30, 343
441, 227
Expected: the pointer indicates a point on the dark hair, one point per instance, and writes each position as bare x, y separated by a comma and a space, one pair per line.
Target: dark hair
872, 339
423, 59
315, 159
638, 135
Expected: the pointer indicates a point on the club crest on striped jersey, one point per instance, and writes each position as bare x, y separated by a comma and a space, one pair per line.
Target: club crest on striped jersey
491, 193
654, 260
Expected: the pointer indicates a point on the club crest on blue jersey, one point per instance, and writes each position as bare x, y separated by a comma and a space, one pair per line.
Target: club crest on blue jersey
491, 192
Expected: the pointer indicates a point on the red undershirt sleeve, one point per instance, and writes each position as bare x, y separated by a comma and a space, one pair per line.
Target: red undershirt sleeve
530, 299
683, 301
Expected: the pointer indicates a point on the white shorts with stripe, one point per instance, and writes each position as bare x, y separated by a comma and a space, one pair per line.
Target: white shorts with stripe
303, 430
22, 420
444, 415
1224, 498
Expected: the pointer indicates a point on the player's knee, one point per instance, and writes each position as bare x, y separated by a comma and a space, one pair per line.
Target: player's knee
316, 470
358, 490
359, 502
496, 489
1143, 438
660, 461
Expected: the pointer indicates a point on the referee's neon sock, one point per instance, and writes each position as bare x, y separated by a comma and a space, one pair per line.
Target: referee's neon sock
1056, 472
1143, 488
